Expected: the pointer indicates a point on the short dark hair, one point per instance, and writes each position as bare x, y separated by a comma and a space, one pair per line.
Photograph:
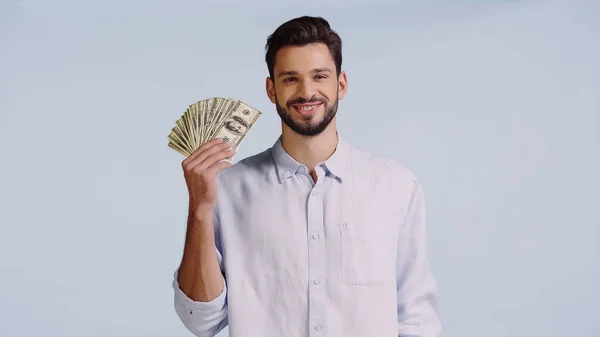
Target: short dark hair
302, 31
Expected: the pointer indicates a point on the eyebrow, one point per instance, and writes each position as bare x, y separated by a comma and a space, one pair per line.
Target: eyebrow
314, 71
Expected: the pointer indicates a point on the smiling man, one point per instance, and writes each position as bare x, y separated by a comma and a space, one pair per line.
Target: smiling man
313, 236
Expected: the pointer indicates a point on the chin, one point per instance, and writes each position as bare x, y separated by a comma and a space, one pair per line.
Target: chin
307, 123
312, 119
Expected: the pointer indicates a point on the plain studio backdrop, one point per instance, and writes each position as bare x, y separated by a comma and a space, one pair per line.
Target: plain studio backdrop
494, 105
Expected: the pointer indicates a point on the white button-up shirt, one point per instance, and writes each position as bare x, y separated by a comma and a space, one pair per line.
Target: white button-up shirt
345, 256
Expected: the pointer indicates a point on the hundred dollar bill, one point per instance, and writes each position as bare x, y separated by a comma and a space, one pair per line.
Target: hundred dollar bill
216, 117
177, 148
217, 104
180, 131
187, 123
222, 109
201, 123
176, 139
236, 125
225, 110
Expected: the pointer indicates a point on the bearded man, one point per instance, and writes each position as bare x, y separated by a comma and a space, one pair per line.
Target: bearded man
313, 236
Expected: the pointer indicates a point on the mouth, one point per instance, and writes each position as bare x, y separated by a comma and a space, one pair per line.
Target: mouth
307, 109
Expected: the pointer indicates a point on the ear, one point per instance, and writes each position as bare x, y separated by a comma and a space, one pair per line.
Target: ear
342, 84
270, 86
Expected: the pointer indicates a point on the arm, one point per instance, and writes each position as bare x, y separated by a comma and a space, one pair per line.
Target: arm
199, 283
417, 292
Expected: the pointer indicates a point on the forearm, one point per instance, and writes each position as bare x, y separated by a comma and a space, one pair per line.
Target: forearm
199, 274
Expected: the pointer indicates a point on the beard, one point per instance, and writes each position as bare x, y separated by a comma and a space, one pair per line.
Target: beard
307, 129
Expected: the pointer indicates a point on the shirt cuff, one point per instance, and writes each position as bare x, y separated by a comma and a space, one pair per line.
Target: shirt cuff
183, 300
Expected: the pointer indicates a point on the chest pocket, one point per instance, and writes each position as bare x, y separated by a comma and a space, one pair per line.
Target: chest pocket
366, 241
362, 254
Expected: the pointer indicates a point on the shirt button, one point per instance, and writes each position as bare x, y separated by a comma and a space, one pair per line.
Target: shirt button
316, 282
315, 236
317, 327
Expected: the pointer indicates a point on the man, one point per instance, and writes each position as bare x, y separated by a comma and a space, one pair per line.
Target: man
312, 237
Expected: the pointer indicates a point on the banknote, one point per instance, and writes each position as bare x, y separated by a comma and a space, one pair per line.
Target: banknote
215, 117
235, 126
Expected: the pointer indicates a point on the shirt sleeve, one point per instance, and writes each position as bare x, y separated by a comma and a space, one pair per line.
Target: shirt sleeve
418, 314
203, 319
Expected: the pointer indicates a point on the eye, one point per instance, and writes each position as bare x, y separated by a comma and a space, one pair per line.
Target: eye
320, 77
289, 79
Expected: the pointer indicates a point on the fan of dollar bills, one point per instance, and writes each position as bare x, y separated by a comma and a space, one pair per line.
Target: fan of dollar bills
216, 117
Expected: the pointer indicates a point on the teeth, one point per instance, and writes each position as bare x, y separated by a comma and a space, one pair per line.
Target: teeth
307, 107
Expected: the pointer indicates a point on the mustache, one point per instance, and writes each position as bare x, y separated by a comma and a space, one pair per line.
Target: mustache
302, 100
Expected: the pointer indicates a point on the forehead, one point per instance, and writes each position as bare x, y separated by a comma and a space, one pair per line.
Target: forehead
300, 58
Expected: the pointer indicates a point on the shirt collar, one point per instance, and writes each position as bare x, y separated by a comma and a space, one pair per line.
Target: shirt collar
287, 166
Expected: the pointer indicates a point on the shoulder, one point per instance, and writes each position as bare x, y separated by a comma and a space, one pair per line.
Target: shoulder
252, 167
392, 169
394, 183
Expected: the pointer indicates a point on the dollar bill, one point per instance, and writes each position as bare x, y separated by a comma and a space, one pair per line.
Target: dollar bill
216, 117
219, 110
179, 149
201, 123
175, 138
225, 109
181, 131
235, 126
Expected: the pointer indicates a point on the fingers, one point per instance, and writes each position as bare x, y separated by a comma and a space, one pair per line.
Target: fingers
206, 146
218, 166
201, 155
212, 159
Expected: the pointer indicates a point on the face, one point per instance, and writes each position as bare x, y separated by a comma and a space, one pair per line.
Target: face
236, 126
305, 88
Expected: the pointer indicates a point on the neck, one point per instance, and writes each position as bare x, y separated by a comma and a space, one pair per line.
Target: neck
310, 150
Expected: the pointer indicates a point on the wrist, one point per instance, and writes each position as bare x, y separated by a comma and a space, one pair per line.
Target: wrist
200, 213
200, 216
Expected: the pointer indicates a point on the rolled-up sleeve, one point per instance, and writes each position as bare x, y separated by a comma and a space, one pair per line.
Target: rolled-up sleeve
418, 314
203, 319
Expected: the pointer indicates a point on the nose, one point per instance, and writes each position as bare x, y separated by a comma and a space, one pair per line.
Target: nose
306, 90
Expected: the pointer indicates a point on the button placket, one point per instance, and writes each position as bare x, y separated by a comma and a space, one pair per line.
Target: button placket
316, 254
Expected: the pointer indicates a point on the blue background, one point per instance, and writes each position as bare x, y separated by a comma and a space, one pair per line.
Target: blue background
494, 105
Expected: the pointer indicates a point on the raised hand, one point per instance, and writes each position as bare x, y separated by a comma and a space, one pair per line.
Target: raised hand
200, 170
